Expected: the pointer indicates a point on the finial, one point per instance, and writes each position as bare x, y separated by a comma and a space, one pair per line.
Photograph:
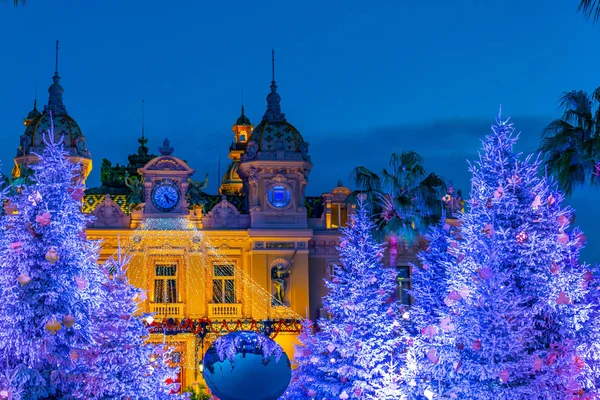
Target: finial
56, 62
55, 102
143, 150
273, 112
166, 149
273, 84
143, 120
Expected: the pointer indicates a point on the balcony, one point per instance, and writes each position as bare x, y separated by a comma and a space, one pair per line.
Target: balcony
167, 310
225, 311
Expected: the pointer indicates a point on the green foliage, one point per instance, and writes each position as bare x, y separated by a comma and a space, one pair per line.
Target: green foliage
591, 9
197, 392
571, 144
405, 198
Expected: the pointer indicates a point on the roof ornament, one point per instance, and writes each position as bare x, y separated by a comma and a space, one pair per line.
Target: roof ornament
166, 149
273, 84
273, 113
56, 61
143, 149
55, 101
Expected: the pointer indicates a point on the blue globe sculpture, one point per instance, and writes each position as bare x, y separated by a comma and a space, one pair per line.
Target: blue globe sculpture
246, 365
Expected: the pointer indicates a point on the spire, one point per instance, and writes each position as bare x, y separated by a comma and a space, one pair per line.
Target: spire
273, 84
55, 101
242, 120
273, 113
143, 120
143, 150
32, 114
56, 61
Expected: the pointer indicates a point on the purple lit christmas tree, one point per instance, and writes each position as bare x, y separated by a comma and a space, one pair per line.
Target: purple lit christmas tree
49, 282
429, 312
517, 315
121, 364
356, 352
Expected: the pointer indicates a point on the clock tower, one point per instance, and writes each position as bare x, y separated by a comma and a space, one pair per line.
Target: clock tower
165, 186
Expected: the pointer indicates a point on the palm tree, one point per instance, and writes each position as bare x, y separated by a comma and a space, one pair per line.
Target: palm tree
570, 144
405, 199
591, 8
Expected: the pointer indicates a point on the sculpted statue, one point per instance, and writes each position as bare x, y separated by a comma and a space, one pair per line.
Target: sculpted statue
452, 203
136, 186
251, 150
279, 274
80, 145
194, 192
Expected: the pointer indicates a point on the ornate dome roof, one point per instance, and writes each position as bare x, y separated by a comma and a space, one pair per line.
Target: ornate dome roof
280, 135
274, 133
33, 113
243, 120
231, 175
64, 126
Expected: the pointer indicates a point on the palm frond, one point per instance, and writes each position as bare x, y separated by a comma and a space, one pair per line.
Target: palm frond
407, 168
590, 8
577, 107
570, 145
365, 179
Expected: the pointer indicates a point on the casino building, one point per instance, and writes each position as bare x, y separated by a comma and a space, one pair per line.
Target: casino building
252, 256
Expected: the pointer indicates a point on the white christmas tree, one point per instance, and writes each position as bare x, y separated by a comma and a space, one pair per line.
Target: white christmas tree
122, 364
49, 281
518, 318
357, 351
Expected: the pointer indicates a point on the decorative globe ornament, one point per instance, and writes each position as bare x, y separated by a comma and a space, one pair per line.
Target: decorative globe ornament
23, 279
52, 255
68, 321
53, 325
246, 365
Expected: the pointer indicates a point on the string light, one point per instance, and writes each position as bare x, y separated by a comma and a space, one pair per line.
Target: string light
170, 244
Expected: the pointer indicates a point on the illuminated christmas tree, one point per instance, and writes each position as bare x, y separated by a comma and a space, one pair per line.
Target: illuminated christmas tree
517, 315
49, 282
121, 364
429, 311
356, 352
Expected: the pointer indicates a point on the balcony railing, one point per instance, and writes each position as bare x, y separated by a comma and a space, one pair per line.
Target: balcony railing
225, 311
167, 310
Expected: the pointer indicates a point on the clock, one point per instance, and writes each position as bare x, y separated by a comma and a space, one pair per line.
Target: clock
279, 196
166, 196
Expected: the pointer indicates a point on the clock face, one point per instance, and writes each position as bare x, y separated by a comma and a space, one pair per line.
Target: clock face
165, 196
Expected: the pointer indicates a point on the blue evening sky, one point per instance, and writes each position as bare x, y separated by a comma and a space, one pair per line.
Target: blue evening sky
358, 79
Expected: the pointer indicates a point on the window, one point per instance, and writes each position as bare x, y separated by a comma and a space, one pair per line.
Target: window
403, 278
339, 215
223, 284
165, 284
279, 196
331, 267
